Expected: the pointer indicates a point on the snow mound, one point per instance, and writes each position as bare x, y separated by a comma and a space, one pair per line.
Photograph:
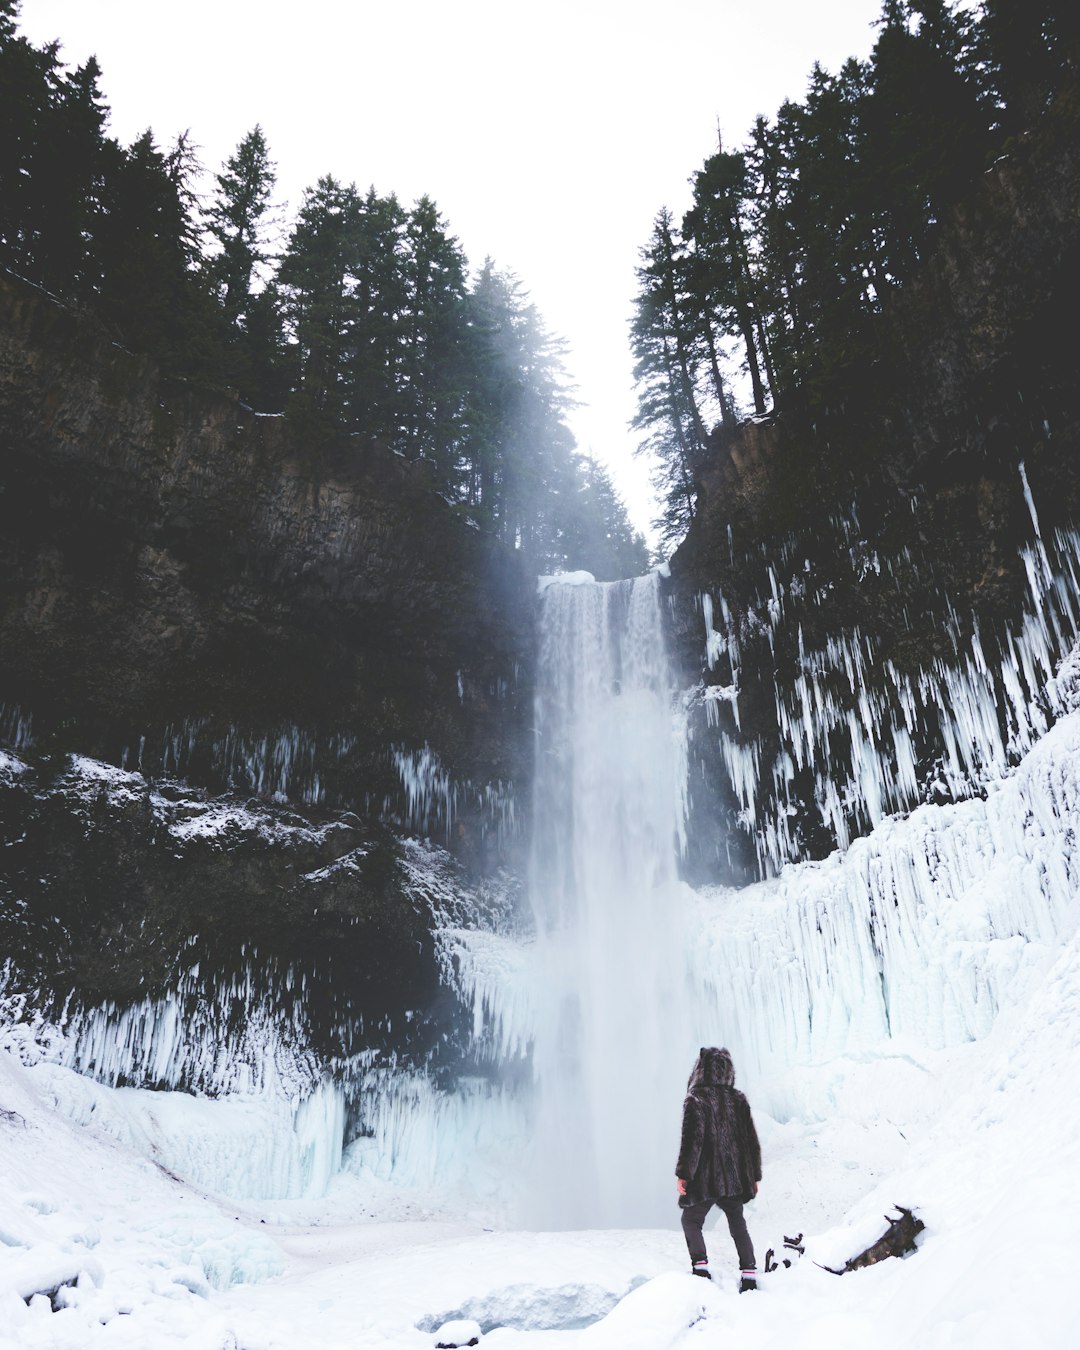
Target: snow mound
656, 1314
455, 1334
564, 579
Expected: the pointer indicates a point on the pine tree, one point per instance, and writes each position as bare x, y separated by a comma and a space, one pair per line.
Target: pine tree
52, 145
779, 247
238, 224
834, 244
69, 180
668, 373
237, 221
923, 133
315, 279
597, 536
144, 248
1026, 48
519, 471
374, 378
434, 337
720, 275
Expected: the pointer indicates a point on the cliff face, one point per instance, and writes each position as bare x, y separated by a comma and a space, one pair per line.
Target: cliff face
188, 593
169, 557
864, 554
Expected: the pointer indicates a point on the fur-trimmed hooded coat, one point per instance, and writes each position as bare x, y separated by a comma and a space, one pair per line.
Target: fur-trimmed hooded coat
719, 1156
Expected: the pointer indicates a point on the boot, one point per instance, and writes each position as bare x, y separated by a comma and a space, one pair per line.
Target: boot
701, 1268
748, 1281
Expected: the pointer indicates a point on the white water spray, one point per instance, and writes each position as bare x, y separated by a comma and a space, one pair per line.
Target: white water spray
614, 1035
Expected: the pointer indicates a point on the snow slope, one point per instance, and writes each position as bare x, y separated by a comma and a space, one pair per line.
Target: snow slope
995, 1174
930, 1058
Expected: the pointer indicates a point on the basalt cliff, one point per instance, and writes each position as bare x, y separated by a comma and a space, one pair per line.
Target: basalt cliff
877, 587
292, 660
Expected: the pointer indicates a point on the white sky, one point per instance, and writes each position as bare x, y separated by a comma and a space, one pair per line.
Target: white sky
548, 136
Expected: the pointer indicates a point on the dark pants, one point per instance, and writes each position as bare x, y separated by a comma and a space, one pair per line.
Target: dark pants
693, 1216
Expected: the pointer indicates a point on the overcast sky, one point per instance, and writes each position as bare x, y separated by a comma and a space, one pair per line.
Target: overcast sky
548, 135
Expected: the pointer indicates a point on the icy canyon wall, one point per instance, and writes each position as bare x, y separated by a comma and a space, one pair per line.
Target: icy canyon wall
877, 584
240, 676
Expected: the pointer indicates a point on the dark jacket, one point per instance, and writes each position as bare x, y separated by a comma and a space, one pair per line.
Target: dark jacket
719, 1156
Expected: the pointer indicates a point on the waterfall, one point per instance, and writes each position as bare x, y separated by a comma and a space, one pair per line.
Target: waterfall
614, 1034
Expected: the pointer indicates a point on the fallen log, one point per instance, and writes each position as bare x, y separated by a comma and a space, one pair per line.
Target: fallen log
897, 1240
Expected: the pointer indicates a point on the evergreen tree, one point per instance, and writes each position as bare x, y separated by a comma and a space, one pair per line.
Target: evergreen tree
770, 160
237, 221
68, 180
143, 248
668, 373
824, 229
374, 377
434, 336
315, 280
1027, 47
597, 536
51, 150
26, 75
719, 270
519, 453
924, 136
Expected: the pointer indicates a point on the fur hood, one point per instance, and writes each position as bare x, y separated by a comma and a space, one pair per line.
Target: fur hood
713, 1068
719, 1153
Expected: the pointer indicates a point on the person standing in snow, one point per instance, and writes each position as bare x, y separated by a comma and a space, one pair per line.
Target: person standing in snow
719, 1160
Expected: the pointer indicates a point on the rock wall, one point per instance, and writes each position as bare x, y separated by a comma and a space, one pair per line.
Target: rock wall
175, 565
863, 554
309, 648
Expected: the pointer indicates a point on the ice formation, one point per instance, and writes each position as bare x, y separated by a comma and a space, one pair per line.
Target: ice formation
877, 740
286, 766
433, 799
920, 934
913, 939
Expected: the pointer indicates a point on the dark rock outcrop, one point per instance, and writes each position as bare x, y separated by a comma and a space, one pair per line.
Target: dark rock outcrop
173, 562
117, 892
892, 511
191, 593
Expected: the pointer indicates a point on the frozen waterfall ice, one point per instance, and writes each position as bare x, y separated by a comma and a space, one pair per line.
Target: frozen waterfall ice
614, 1037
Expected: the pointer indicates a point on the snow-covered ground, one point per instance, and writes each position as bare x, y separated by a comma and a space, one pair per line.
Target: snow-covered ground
983, 1140
102, 1243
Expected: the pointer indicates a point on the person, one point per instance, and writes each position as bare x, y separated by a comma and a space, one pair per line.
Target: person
719, 1160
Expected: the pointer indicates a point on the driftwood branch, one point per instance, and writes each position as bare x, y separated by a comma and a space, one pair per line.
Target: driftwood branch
790, 1244
897, 1240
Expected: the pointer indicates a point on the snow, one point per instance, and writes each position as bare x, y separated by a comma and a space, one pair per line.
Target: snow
460, 1332
990, 1163
11, 767
564, 579
926, 929
188, 1037
983, 1140
905, 1018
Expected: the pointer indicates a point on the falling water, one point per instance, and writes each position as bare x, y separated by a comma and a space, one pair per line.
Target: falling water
614, 1035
